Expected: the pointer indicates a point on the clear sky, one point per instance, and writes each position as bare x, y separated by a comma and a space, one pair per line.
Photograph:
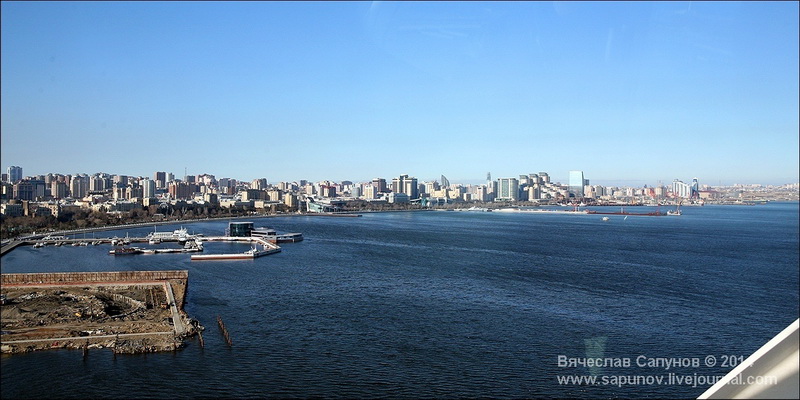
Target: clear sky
628, 92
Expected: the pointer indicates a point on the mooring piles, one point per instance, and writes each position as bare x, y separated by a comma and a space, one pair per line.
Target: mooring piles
224, 331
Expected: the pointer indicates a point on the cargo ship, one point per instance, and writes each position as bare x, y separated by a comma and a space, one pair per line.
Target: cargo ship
656, 213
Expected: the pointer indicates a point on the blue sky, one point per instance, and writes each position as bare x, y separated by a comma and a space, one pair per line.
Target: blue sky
628, 92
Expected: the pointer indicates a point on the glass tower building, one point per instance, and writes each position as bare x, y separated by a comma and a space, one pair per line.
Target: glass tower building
576, 183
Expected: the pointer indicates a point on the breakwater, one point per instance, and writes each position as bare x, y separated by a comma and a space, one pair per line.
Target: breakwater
91, 277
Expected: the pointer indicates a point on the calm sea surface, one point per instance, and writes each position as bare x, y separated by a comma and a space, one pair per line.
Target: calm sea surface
447, 304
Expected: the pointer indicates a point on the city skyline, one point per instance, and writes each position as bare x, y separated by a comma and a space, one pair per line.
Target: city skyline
15, 173
626, 92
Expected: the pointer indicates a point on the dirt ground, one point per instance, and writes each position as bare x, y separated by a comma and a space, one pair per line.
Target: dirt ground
90, 316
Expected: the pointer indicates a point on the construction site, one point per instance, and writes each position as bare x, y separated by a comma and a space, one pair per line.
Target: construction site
126, 311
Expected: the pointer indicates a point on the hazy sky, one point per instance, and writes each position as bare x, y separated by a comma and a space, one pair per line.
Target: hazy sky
627, 92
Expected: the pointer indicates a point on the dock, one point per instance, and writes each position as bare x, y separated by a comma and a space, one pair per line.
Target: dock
267, 248
262, 245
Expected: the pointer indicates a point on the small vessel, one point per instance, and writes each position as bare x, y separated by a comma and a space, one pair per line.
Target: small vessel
154, 240
83, 244
124, 250
38, 245
605, 218
676, 211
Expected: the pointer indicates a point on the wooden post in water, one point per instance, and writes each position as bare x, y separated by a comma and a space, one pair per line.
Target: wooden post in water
224, 331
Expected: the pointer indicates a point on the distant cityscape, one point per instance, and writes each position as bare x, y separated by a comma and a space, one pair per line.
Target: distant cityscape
54, 193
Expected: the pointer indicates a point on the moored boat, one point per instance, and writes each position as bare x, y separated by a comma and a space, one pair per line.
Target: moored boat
123, 251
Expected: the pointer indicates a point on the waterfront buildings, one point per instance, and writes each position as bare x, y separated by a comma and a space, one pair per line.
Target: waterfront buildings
50, 194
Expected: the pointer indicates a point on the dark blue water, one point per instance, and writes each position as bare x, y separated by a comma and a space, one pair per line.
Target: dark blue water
447, 304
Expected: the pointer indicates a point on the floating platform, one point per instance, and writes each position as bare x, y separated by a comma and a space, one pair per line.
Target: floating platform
248, 255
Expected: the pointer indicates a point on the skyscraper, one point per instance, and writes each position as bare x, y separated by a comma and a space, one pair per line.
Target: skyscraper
58, 189
380, 185
14, 174
406, 184
79, 186
160, 179
507, 189
148, 188
576, 183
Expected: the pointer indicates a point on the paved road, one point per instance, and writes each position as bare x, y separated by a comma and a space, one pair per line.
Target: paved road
176, 317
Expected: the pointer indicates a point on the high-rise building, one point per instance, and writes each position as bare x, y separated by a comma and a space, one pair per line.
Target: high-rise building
576, 183
14, 174
406, 184
507, 189
79, 186
431, 187
148, 188
380, 185
545, 177
355, 191
370, 192
160, 179
96, 184
445, 181
681, 189
180, 190
58, 189
411, 188
480, 193
121, 179
24, 190
259, 184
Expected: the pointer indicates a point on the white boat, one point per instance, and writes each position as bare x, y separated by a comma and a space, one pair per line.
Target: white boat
154, 240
